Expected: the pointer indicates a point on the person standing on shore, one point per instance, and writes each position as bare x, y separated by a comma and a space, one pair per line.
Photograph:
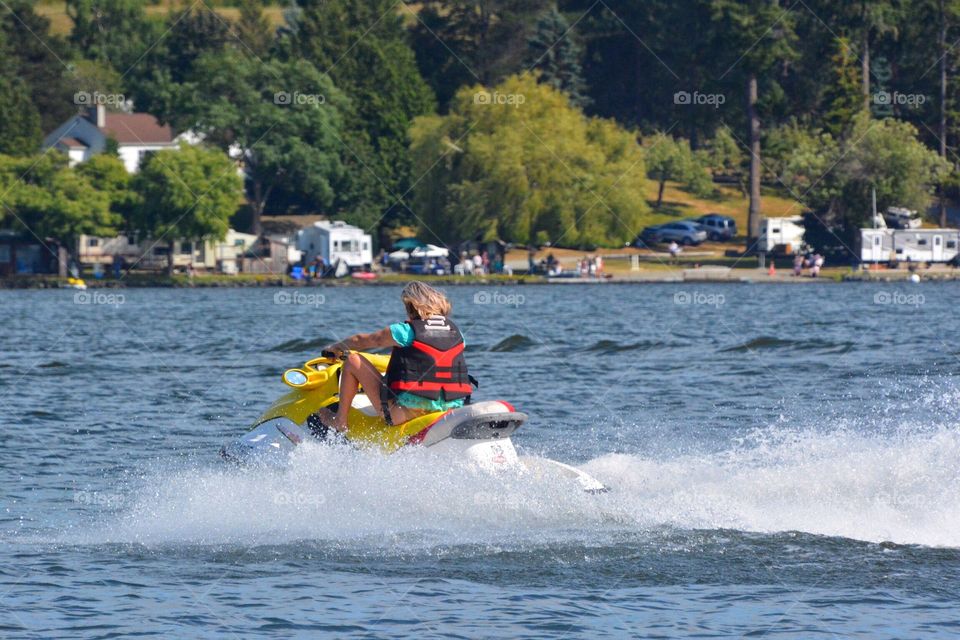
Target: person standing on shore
674, 250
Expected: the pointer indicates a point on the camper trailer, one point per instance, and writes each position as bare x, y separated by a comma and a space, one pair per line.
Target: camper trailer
902, 218
909, 245
782, 235
336, 241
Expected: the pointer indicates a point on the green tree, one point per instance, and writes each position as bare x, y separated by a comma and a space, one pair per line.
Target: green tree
462, 42
19, 120
107, 174
284, 119
362, 45
253, 29
838, 177
843, 98
671, 159
760, 32
51, 200
724, 157
116, 32
188, 193
158, 78
555, 53
525, 167
36, 57
94, 76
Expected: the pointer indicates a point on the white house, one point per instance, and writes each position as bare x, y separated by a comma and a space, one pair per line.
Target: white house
85, 135
336, 241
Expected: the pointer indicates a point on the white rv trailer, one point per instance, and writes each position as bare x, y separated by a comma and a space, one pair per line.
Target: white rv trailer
913, 245
782, 235
336, 241
902, 218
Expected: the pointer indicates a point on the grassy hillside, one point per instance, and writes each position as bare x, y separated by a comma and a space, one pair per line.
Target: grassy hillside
679, 203
60, 23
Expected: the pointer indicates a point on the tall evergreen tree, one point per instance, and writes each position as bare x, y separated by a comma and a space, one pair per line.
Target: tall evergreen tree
553, 50
460, 42
362, 45
38, 58
19, 119
112, 31
253, 29
760, 35
843, 98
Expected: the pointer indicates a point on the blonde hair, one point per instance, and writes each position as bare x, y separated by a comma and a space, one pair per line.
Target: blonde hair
422, 301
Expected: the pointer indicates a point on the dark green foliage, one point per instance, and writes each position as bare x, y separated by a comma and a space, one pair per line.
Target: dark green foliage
462, 42
19, 119
363, 47
552, 49
33, 55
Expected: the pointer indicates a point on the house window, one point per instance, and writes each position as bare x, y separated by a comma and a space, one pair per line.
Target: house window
951, 244
186, 248
922, 243
93, 242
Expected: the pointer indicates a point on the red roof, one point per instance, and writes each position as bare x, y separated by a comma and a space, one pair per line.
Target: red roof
136, 128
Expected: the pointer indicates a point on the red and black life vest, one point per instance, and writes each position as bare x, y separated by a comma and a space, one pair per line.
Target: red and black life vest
433, 363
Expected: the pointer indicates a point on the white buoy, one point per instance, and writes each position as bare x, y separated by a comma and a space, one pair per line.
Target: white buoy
914, 278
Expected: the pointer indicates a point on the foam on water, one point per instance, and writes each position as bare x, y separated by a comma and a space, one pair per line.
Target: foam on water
900, 488
892, 487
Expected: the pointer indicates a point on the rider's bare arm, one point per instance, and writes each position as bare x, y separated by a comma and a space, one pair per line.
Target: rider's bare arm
364, 341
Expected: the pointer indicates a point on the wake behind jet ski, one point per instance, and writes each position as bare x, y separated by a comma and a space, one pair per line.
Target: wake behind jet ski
419, 395
479, 433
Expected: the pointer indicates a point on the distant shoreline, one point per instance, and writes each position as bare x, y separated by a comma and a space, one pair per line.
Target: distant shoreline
672, 276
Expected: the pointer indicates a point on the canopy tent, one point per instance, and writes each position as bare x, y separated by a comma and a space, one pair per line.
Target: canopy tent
408, 244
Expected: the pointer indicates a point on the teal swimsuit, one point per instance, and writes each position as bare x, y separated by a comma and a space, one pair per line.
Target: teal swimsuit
403, 335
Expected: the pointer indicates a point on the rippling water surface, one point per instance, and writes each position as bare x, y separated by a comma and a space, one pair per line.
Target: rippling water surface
784, 462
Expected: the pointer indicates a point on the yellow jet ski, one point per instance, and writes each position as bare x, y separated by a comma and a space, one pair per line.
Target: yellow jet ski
479, 432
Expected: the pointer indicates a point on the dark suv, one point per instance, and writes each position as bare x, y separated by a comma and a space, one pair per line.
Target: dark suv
718, 227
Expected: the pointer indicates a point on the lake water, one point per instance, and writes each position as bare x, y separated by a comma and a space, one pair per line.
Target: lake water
784, 461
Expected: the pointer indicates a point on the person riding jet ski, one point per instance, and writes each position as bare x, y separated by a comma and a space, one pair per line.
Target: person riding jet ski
427, 371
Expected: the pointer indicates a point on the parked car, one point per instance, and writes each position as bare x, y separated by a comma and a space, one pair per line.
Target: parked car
718, 227
684, 232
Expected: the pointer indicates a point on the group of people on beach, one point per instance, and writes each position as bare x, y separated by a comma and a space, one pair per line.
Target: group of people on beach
591, 267
811, 261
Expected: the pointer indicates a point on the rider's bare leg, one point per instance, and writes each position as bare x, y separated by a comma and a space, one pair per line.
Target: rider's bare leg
357, 371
